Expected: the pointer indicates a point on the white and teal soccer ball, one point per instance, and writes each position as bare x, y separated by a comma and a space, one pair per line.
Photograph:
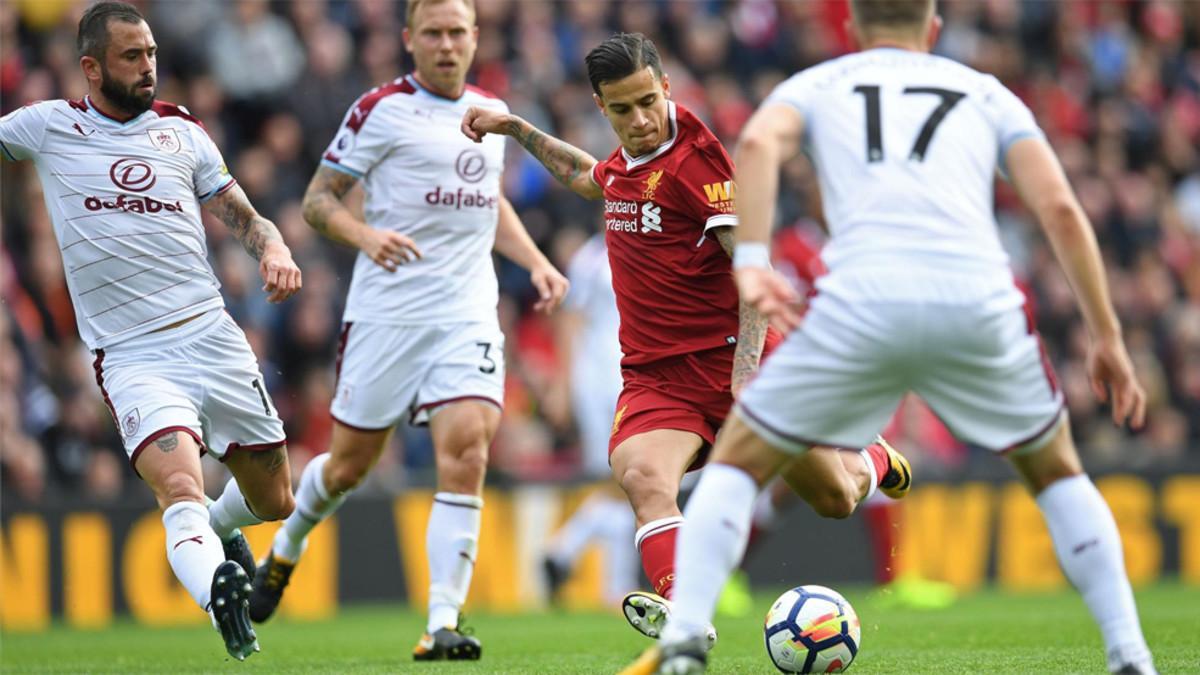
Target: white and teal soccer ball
812, 629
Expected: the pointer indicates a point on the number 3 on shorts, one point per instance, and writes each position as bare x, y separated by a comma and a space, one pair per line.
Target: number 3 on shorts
488, 366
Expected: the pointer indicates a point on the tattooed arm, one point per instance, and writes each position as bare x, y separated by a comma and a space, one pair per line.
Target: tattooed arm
752, 327
326, 213
567, 163
260, 237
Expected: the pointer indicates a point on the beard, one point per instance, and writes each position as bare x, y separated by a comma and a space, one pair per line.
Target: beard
129, 99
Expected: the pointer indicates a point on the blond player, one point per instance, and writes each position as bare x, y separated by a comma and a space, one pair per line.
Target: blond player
421, 341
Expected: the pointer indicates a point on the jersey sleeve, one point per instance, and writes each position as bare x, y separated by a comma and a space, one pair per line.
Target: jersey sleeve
361, 142
1012, 119
797, 92
22, 131
210, 177
597, 173
705, 187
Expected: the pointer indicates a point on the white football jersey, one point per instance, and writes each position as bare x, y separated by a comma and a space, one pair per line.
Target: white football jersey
596, 354
426, 180
906, 147
124, 199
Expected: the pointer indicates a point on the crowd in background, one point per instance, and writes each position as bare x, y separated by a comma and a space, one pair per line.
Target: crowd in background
1114, 83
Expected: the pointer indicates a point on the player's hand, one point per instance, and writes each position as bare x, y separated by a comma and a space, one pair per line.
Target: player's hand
551, 286
388, 249
479, 122
280, 275
1111, 373
768, 292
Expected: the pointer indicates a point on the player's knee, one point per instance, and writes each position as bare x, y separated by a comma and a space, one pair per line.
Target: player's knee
277, 505
180, 486
343, 476
642, 482
467, 464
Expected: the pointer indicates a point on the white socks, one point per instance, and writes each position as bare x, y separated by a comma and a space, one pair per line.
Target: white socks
451, 542
1088, 547
230, 511
866, 457
193, 548
313, 504
712, 541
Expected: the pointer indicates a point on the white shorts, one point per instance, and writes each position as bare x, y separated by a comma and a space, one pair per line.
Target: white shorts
838, 378
387, 371
200, 378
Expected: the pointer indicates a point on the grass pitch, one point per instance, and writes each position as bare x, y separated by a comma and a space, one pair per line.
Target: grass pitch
987, 632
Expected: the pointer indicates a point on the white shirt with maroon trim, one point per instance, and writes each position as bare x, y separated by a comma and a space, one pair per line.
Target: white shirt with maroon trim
124, 199
423, 178
907, 146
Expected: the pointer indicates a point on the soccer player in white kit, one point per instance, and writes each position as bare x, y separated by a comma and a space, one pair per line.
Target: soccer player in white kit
587, 330
124, 177
421, 340
919, 297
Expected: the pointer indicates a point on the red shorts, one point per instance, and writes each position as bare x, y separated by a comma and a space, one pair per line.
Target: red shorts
689, 392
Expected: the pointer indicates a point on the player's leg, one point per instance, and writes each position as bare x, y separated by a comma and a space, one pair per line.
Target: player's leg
462, 433
1088, 546
243, 431
170, 464
988, 380
649, 457
324, 484
713, 539
153, 389
830, 383
260, 490
835, 480
648, 466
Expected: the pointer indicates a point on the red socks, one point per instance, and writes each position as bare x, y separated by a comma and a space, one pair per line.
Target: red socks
879, 457
656, 544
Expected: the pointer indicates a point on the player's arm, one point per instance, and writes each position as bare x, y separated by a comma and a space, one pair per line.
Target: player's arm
770, 137
752, 327
22, 132
326, 212
513, 242
1039, 179
261, 239
568, 164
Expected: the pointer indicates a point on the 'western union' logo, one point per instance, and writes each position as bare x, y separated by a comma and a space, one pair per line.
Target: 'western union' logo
719, 192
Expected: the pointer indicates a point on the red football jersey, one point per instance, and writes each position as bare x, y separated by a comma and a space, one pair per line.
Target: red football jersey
673, 281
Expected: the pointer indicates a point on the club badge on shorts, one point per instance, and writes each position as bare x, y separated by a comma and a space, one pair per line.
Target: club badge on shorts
131, 422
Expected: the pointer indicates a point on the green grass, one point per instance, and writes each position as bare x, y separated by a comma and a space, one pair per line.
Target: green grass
984, 633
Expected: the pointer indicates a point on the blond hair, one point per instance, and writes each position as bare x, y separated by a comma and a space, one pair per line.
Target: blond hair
411, 9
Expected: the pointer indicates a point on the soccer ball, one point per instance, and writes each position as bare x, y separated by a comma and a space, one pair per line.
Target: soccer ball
812, 629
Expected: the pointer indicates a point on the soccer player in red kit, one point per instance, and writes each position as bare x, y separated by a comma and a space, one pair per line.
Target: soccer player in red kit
688, 345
